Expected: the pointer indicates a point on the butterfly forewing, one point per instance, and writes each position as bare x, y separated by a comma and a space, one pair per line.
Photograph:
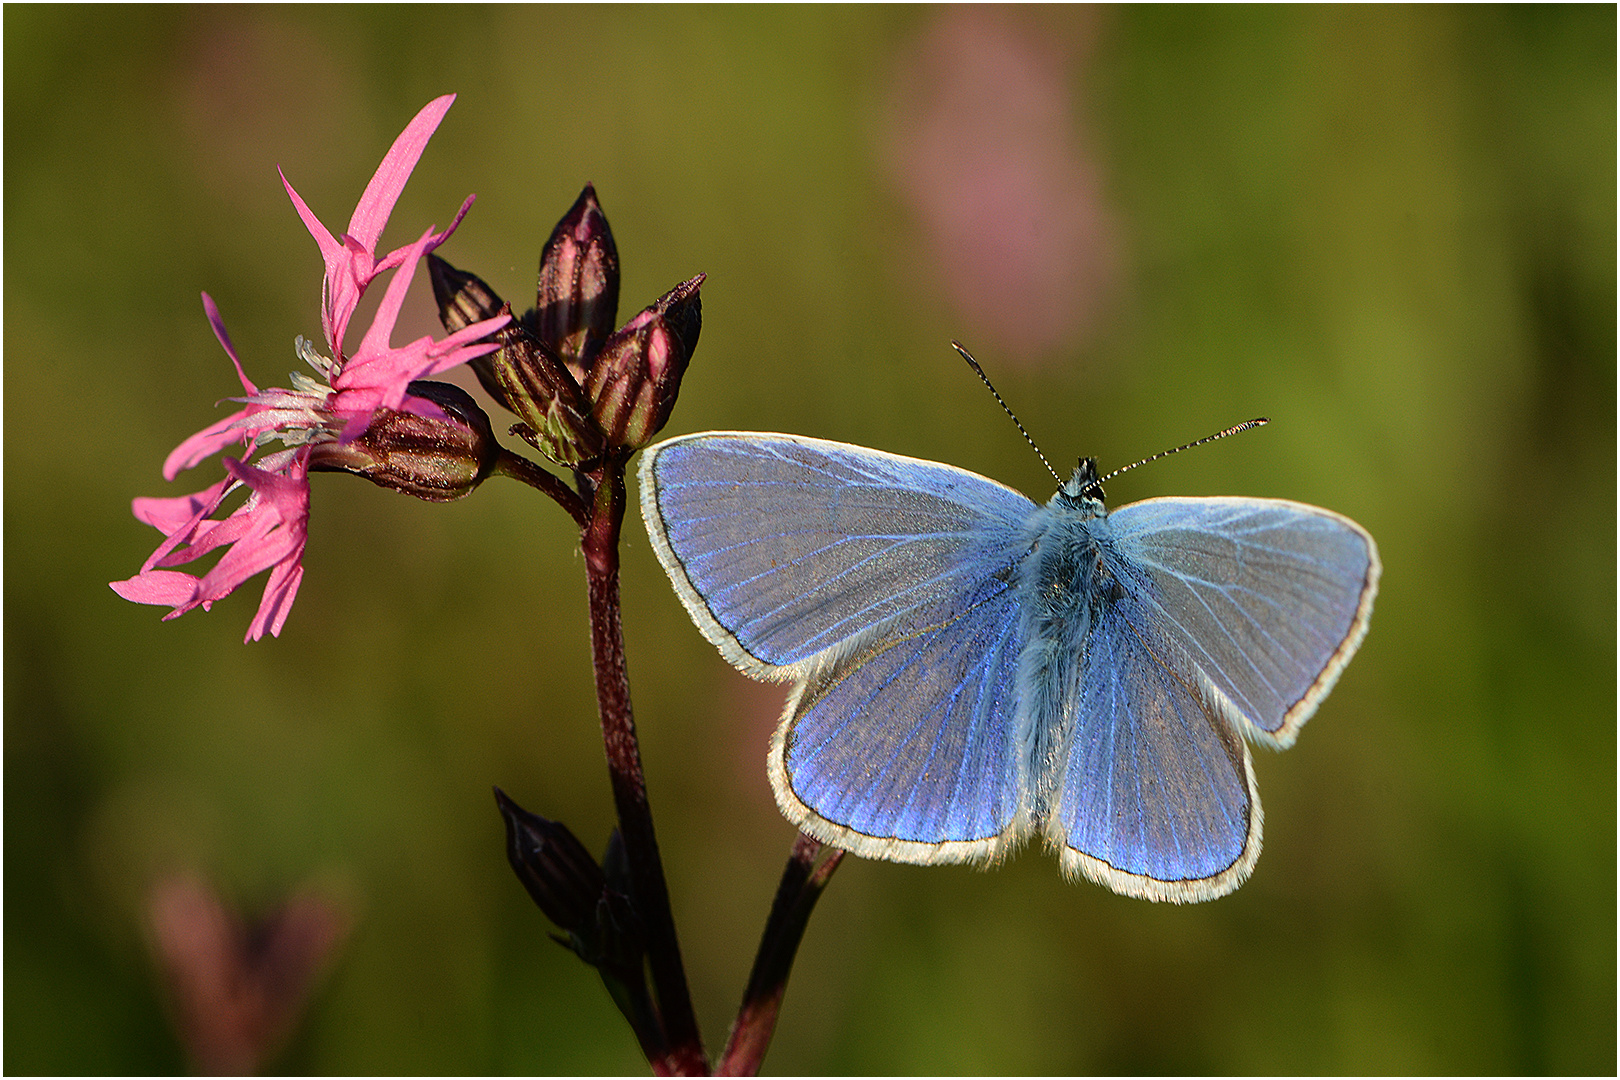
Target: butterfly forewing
782, 547
1267, 599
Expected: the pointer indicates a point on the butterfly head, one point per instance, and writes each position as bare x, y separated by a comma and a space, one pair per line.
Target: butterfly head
1083, 489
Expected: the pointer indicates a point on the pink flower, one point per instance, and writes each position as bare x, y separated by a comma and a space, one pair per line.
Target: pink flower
267, 531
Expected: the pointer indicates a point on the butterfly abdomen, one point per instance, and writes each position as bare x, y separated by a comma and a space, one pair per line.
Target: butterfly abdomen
1064, 581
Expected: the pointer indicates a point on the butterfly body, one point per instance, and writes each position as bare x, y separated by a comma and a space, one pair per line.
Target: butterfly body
972, 670
1065, 580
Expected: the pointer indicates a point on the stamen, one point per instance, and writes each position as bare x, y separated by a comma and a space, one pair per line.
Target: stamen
307, 353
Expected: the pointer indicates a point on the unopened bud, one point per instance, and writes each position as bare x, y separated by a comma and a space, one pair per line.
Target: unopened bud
570, 888
553, 865
439, 459
578, 295
633, 383
621, 937
464, 299
540, 389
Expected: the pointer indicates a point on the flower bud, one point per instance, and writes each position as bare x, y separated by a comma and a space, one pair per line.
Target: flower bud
553, 865
573, 892
578, 295
464, 299
439, 459
633, 383
541, 390
621, 938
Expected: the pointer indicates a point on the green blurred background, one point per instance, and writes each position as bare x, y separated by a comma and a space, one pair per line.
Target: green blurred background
1390, 230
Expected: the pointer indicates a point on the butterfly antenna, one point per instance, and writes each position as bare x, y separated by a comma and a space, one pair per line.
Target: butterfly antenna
979, 371
1260, 421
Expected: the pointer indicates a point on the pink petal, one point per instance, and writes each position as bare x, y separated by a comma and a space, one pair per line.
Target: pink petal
275, 528
397, 256
169, 515
349, 268
267, 532
465, 344
382, 382
233, 429
206, 536
382, 327
279, 593
287, 489
212, 311
268, 542
371, 214
158, 587
165, 515
351, 260
206, 443
330, 247
377, 375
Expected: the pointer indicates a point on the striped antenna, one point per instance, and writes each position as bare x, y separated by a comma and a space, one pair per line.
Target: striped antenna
1259, 421
974, 364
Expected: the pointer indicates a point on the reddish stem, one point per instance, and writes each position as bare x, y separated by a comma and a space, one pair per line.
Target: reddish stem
598, 508
600, 542
802, 885
521, 468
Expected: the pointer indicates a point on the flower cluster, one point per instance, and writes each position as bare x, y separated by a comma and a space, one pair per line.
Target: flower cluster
584, 391
321, 423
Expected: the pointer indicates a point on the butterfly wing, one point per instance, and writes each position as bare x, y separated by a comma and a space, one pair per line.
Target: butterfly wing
885, 586
1233, 616
1267, 599
902, 747
782, 547
1157, 798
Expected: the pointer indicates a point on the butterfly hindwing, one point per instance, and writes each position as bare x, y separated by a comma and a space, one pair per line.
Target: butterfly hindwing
1157, 797
781, 547
901, 747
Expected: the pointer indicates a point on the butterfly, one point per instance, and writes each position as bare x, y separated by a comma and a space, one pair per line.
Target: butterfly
971, 670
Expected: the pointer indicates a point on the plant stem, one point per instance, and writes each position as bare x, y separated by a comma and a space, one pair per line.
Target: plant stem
802, 885
598, 508
521, 468
600, 542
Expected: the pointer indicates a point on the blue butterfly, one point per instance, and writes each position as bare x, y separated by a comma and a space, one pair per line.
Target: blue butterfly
971, 670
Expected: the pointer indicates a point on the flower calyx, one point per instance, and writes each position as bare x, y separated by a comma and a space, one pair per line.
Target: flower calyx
434, 458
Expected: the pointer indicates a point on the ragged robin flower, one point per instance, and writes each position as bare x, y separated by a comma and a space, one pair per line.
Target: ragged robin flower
332, 410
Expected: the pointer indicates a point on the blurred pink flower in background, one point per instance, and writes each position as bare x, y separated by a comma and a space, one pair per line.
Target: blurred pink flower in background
267, 532
985, 146
238, 989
